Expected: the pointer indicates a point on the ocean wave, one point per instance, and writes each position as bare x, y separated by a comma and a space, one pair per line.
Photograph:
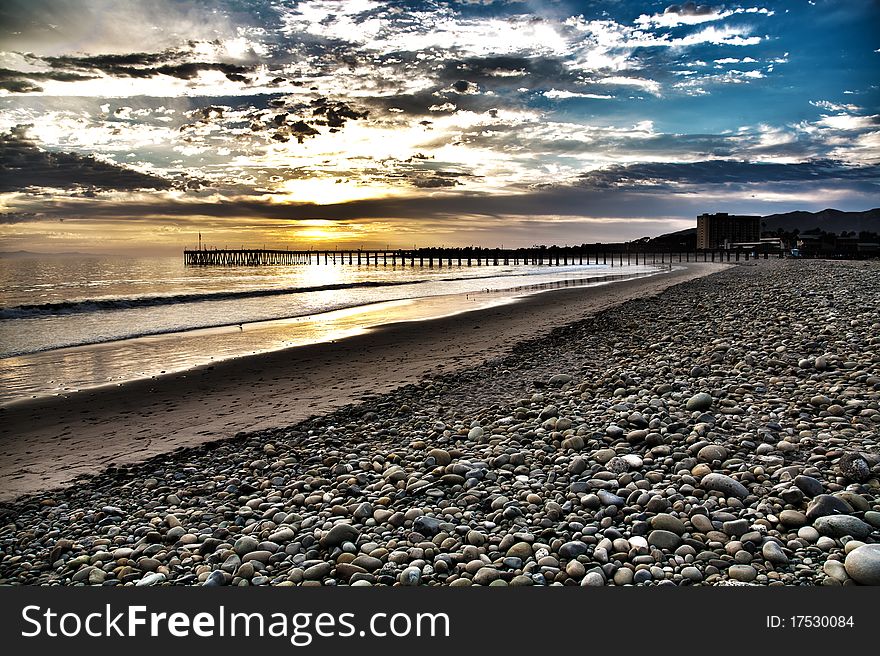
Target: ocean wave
128, 303
85, 306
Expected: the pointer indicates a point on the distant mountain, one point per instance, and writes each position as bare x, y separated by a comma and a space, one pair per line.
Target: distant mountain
829, 220
25, 254
682, 239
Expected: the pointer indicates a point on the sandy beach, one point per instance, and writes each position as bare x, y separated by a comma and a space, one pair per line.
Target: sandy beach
49, 442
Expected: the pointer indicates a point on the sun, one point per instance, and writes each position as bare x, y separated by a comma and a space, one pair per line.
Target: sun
324, 232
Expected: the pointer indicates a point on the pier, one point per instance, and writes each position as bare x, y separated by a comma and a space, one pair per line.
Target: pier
611, 254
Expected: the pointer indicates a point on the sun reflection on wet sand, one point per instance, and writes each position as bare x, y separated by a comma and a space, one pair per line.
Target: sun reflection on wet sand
61, 371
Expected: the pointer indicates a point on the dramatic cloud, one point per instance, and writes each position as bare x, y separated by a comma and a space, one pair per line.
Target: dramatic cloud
666, 174
444, 119
24, 165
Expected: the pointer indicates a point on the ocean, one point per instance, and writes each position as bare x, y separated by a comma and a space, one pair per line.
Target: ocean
77, 321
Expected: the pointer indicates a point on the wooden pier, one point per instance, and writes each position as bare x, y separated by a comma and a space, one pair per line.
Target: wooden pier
611, 254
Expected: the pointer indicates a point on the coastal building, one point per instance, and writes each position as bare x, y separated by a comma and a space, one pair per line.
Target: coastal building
722, 229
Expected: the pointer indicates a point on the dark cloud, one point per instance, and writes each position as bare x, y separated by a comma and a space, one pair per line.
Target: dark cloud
568, 202
69, 68
24, 165
108, 62
335, 114
143, 65
724, 172
25, 82
690, 9
508, 71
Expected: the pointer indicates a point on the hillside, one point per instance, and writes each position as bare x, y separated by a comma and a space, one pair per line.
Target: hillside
829, 220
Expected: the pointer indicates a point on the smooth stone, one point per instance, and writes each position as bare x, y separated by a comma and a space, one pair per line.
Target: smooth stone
317, 572
522, 550
261, 556
699, 402
736, 528
856, 501
151, 579
593, 580
345, 571
485, 575
825, 505
578, 465
663, 539
231, 564
575, 443
521, 580
475, 433
825, 543
623, 576
426, 525
667, 522
215, 579
575, 569
742, 573
809, 485
339, 534
692, 574
643, 576
604, 456
711, 453
773, 553
282, 535
246, 571
863, 564
840, 525
724, 484
808, 533
636, 436
364, 511
873, 518
702, 523
836, 570
411, 576
441, 456
369, 563
245, 544
792, 518
638, 542
571, 550
609, 499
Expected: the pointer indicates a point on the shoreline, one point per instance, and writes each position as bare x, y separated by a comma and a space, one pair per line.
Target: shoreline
721, 432
185, 350
48, 442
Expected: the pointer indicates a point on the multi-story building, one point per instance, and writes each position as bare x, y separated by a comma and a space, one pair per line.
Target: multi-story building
721, 229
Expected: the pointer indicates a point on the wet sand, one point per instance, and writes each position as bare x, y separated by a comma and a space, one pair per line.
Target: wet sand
47, 443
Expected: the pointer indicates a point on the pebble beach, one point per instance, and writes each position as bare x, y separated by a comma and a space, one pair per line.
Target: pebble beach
725, 431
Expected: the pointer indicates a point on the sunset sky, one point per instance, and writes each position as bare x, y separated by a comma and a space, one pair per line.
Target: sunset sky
131, 126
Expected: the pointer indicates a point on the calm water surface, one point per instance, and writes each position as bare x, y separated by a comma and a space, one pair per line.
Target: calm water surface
80, 321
